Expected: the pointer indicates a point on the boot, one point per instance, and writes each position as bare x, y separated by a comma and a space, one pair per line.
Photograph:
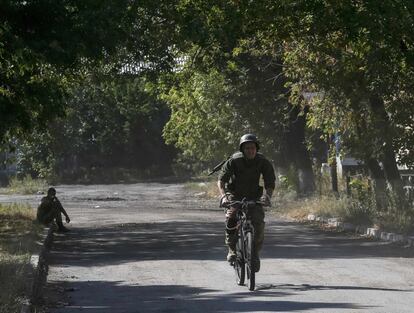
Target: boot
61, 228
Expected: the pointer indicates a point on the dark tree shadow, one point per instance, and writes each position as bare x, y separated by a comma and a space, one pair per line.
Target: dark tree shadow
116, 297
287, 240
181, 240
307, 287
116, 244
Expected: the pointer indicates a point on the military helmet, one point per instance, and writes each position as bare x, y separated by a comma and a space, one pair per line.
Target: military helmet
248, 138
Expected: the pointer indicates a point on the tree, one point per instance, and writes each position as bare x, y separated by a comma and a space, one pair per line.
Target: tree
44, 43
218, 39
110, 127
360, 55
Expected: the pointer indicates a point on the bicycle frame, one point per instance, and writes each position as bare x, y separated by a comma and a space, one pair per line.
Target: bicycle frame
245, 243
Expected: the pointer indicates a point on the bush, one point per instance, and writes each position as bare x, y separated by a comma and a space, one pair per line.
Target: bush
347, 209
207, 189
400, 222
27, 185
289, 181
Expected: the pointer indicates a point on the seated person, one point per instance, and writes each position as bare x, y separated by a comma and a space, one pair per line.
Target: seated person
50, 209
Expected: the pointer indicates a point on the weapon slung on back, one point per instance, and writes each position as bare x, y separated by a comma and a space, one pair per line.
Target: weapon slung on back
217, 167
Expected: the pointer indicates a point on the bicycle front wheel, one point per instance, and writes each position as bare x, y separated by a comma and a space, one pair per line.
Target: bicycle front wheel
249, 248
239, 265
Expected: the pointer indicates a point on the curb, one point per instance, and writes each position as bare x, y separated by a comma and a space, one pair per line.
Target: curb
370, 232
40, 269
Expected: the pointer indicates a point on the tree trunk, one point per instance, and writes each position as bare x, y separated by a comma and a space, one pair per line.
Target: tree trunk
379, 183
300, 153
281, 164
331, 157
334, 177
387, 157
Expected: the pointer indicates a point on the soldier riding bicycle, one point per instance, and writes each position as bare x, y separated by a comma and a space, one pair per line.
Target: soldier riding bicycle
240, 179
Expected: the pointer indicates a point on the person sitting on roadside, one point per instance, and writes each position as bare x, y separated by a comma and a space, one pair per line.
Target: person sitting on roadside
51, 210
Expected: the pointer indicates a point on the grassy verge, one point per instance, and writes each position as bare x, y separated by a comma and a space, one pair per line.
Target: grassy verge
26, 185
344, 208
359, 209
347, 209
206, 189
18, 237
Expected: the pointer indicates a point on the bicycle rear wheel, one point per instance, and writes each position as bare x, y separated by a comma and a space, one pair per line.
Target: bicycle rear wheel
239, 264
249, 246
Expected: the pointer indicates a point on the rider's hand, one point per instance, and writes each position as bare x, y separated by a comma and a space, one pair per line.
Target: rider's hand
67, 219
266, 200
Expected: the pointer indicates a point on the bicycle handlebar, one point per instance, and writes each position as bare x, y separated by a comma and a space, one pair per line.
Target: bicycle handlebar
244, 203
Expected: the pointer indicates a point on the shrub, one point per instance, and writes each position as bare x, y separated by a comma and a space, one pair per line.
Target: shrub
27, 185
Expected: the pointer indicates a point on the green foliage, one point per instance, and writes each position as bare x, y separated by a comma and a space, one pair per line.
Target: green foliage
242, 66
352, 53
202, 123
111, 122
26, 185
205, 189
228, 87
23, 214
284, 182
346, 209
397, 221
288, 182
359, 212
360, 188
226, 39
44, 44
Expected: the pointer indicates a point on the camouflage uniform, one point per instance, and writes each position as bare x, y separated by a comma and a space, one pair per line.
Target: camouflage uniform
241, 177
49, 210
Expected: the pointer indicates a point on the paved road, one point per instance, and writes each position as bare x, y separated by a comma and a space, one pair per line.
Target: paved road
148, 248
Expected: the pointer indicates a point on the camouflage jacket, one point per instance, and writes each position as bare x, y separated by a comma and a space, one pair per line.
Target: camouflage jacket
242, 176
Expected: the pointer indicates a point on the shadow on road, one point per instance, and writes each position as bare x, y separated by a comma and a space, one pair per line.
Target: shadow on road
179, 240
116, 244
307, 287
118, 297
286, 240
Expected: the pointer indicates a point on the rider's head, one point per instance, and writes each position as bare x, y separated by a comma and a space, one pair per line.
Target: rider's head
249, 145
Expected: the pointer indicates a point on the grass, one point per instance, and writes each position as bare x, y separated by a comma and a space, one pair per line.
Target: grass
206, 189
25, 186
347, 209
344, 208
358, 209
18, 241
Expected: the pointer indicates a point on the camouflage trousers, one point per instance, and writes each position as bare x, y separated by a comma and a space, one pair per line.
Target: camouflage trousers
256, 215
52, 214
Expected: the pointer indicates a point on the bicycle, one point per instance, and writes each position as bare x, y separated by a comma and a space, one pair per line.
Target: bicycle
245, 248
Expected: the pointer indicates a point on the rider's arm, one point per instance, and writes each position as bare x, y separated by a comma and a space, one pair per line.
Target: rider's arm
225, 175
269, 178
221, 185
